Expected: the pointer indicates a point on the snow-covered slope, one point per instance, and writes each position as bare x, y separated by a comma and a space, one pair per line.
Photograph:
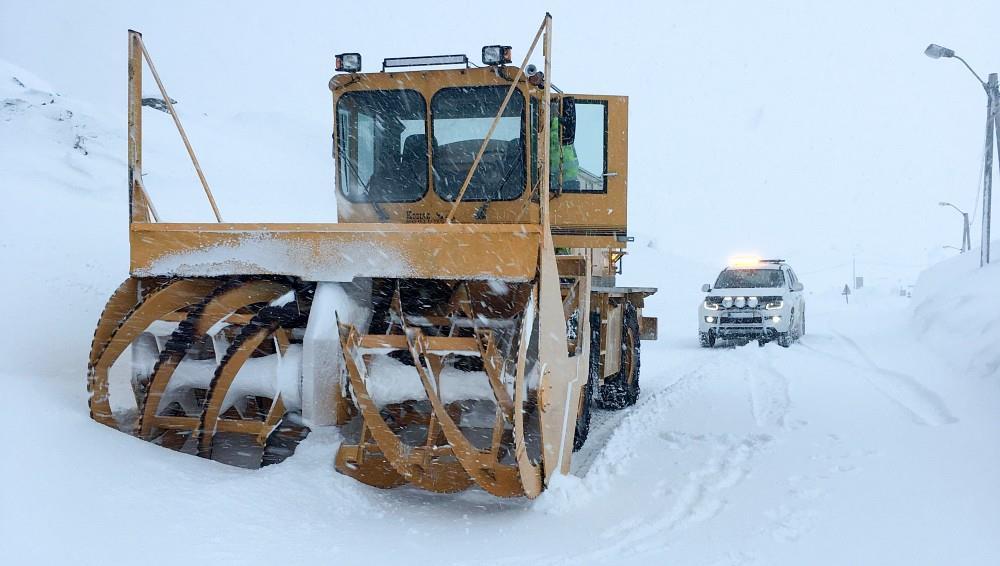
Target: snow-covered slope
65, 216
957, 310
63, 220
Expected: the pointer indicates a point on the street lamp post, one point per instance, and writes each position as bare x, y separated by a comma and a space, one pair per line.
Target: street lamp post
992, 88
966, 239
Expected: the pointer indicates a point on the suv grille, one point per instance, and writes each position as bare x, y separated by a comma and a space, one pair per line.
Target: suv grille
741, 320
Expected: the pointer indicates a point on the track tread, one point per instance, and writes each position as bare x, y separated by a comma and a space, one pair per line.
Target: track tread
268, 319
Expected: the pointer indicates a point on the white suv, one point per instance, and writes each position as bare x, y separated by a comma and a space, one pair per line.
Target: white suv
753, 299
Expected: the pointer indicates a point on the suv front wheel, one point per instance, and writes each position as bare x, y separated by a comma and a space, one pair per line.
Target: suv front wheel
707, 339
785, 339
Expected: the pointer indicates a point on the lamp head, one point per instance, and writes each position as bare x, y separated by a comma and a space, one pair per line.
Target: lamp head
935, 51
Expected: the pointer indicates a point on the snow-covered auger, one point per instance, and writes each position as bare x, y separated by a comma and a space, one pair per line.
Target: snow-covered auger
457, 322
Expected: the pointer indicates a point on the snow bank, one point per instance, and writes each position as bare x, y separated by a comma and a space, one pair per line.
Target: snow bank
957, 310
62, 231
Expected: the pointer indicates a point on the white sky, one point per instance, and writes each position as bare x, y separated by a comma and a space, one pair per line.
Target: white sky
803, 130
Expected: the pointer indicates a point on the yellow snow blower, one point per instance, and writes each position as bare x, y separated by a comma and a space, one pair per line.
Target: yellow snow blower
457, 321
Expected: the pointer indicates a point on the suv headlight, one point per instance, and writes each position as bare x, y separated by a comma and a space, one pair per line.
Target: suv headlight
710, 305
752, 302
740, 302
774, 305
727, 302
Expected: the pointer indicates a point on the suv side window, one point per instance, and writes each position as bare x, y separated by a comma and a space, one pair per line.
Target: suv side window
792, 278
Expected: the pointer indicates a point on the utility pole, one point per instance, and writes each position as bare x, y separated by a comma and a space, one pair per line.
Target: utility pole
992, 131
992, 88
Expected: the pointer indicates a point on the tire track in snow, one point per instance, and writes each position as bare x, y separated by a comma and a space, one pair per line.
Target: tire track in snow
620, 430
602, 428
769, 398
699, 499
699, 494
917, 402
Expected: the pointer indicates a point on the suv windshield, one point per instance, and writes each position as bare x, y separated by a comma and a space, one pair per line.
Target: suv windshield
461, 120
382, 145
747, 278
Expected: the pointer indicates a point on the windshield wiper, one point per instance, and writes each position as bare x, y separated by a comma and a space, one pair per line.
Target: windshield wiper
368, 197
480, 213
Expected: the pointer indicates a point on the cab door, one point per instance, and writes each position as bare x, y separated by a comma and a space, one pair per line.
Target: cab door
592, 211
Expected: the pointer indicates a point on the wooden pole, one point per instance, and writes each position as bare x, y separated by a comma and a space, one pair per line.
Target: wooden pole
545, 141
138, 200
149, 201
180, 128
496, 120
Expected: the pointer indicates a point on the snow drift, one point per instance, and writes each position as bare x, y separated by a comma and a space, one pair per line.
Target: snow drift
957, 310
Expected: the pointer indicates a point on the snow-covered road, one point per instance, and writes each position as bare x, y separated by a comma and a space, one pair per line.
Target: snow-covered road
857, 445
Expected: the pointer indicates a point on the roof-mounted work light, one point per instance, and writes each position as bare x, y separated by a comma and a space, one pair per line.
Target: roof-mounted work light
349, 63
496, 55
424, 61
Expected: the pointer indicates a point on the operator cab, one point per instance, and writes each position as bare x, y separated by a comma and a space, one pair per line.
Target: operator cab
405, 139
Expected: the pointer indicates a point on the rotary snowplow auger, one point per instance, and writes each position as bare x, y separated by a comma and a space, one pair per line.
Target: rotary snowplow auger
457, 322
480, 435
184, 384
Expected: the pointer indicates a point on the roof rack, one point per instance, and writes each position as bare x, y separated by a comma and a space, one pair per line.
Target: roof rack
772, 261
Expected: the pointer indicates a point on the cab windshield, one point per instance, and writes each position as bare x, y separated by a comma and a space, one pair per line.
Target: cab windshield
749, 278
382, 145
461, 119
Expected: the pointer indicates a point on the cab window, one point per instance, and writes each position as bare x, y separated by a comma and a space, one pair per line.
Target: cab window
590, 147
382, 146
461, 118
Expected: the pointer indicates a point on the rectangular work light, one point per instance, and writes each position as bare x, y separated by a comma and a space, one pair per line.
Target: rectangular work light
496, 54
349, 63
426, 61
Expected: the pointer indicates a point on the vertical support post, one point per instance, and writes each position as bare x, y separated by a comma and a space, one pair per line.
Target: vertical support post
560, 380
966, 237
996, 132
137, 202
992, 90
544, 155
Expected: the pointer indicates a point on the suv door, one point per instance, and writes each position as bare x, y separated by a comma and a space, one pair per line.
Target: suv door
796, 296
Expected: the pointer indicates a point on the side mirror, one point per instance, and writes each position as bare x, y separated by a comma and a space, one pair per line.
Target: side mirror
797, 287
568, 120
706, 288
